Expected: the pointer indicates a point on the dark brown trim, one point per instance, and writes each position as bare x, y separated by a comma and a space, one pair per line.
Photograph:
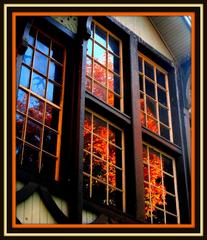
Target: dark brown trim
112, 114
137, 131
159, 141
111, 213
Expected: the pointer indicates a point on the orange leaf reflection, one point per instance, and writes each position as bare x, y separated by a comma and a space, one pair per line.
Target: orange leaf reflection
100, 148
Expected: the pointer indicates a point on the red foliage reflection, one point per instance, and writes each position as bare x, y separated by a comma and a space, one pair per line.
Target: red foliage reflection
100, 148
155, 191
148, 121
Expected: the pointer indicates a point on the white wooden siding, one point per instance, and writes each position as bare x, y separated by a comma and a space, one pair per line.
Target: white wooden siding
88, 217
33, 210
144, 29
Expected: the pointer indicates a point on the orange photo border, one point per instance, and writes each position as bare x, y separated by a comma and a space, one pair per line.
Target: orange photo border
91, 226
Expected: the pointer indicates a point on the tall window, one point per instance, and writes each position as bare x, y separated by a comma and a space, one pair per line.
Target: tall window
154, 98
103, 161
161, 201
104, 66
39, 105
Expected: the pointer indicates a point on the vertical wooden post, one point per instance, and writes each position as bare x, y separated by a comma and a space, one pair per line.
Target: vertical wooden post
137, 129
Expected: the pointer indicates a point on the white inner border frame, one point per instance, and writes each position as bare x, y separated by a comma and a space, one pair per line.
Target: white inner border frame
5, 121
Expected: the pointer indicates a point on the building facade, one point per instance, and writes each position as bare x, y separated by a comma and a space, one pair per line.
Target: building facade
103, 120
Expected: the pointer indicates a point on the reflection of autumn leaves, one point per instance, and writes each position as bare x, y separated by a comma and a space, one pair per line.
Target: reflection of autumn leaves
101, 149
99, 74
151, 123
155, 192
36, 113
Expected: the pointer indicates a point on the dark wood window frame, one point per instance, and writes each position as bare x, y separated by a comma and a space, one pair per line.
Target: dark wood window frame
76, 99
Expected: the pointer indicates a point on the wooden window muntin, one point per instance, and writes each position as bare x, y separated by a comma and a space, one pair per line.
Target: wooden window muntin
143, 92
172, 175
106, 160
106, 87
30, 65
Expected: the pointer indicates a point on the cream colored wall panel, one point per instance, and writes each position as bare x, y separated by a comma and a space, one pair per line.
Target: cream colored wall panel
88, 217
144, 29
33, 210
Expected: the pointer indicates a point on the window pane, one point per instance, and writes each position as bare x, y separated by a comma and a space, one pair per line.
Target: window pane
18, 152
22, 98
99, 74
27, 58
48, 166
43, 43
146, 174
40, 63
100, 36
36, 108
57, 52
143, 119
31, 159
33, 134
51, 117
115, 198
89, 47
142, 105
169, 183
163, 114
88, 67
158, 216
155, 176
171, 219
140, 64
161, 78
151, 107
99, 91
88, 121
38, 84
100, 127
149, 70
115, 135
86, 186
113, 63
99, 192
25, 76
114, 82
150, 88
99, 169
20, 121
32, 35
113, 45
141, 82
86, 162
100, 54
53, 93
165, 132
157, 196
113, 100
115, 156
145, 153
112, 174
162, 98
171, 204
154, 158
152, 124
50, 141
88, 84
99, 147
55, 72
167, 164
87, 140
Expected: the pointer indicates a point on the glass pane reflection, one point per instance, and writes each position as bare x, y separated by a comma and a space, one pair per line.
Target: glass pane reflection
36, 108
40, 63
33, 133
38, 84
